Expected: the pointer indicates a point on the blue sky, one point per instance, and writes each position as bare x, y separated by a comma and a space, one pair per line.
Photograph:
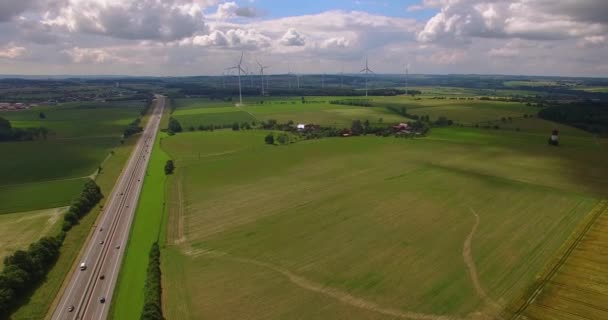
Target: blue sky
286, 8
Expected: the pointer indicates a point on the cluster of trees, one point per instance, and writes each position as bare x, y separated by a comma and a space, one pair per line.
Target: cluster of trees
8, 133
282, 138
169, 167
589, 116
174, 126
89, 197
133, 128
24, 269
153, 288
352, 102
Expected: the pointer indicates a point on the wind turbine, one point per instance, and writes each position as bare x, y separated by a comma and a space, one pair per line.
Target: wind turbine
239, 70
367, 71
262, 68
293, 74
407, 72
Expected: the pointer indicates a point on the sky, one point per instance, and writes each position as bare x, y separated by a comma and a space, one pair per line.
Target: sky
204, 37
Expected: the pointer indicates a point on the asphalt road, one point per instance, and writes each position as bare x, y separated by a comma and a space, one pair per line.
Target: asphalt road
104, 251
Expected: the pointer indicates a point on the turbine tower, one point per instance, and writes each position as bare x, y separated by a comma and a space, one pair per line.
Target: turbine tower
262, 68
239, 69
407, 73
367, 71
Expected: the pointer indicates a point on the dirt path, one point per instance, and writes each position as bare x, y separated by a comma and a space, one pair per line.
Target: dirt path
467, 254
331, 292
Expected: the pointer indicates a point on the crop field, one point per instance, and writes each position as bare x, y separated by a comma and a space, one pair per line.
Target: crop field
82, 135
195, 112
579, 289
18, 230
457, 224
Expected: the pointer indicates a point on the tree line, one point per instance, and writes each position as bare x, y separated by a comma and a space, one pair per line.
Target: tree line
24, 270
8, 133
589, 116
152, 309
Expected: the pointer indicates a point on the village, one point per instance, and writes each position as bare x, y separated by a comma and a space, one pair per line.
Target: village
18, 106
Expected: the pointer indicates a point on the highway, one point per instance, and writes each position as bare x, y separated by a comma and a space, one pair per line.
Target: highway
89, 292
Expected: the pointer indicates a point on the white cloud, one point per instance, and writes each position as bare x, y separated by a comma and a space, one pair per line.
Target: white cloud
12, 52
460, 20
232, 9
93, 55
249, 39
336, 42
292, 38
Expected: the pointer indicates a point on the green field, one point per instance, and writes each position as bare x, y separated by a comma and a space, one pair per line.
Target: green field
82, 136
456, 224
195, 112
18, 230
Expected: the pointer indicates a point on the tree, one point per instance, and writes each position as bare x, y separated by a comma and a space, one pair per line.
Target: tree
366, 126
41, 115
283, 138
235, 126
174, 125
6, 130
356, 128
269, 139
169, 167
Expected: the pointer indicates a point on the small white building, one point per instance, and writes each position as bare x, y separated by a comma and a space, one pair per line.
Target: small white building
301, 127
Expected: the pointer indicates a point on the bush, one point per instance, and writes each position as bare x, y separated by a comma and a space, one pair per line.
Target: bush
174, 125
169, 167
152, 309
269, 139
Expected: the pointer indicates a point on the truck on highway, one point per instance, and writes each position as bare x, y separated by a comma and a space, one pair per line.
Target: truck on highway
83, 266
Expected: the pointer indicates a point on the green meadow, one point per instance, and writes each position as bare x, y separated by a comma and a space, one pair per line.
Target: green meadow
53, 169
456, 224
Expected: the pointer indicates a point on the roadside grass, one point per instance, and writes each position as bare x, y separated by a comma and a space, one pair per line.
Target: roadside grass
40, 302
19, 230
128, 298
383, 220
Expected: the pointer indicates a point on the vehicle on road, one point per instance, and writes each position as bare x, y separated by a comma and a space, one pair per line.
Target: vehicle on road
71, 308
83, 266
101, 242
102, 277
118, 247
102, 300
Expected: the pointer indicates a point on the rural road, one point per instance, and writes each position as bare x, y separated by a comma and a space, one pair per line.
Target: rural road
104, 251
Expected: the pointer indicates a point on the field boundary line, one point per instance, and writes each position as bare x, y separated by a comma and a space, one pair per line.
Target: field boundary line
578, 235
341, 296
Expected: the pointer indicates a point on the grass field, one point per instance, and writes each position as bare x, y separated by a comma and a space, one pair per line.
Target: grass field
195, 112
457, 224
129, 295
54, 169
18, 230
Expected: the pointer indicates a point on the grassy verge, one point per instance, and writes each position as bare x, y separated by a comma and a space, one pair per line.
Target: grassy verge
146, 229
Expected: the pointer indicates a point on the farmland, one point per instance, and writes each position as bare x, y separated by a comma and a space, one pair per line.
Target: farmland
456, 224
18, 230
195, 112
81, 137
